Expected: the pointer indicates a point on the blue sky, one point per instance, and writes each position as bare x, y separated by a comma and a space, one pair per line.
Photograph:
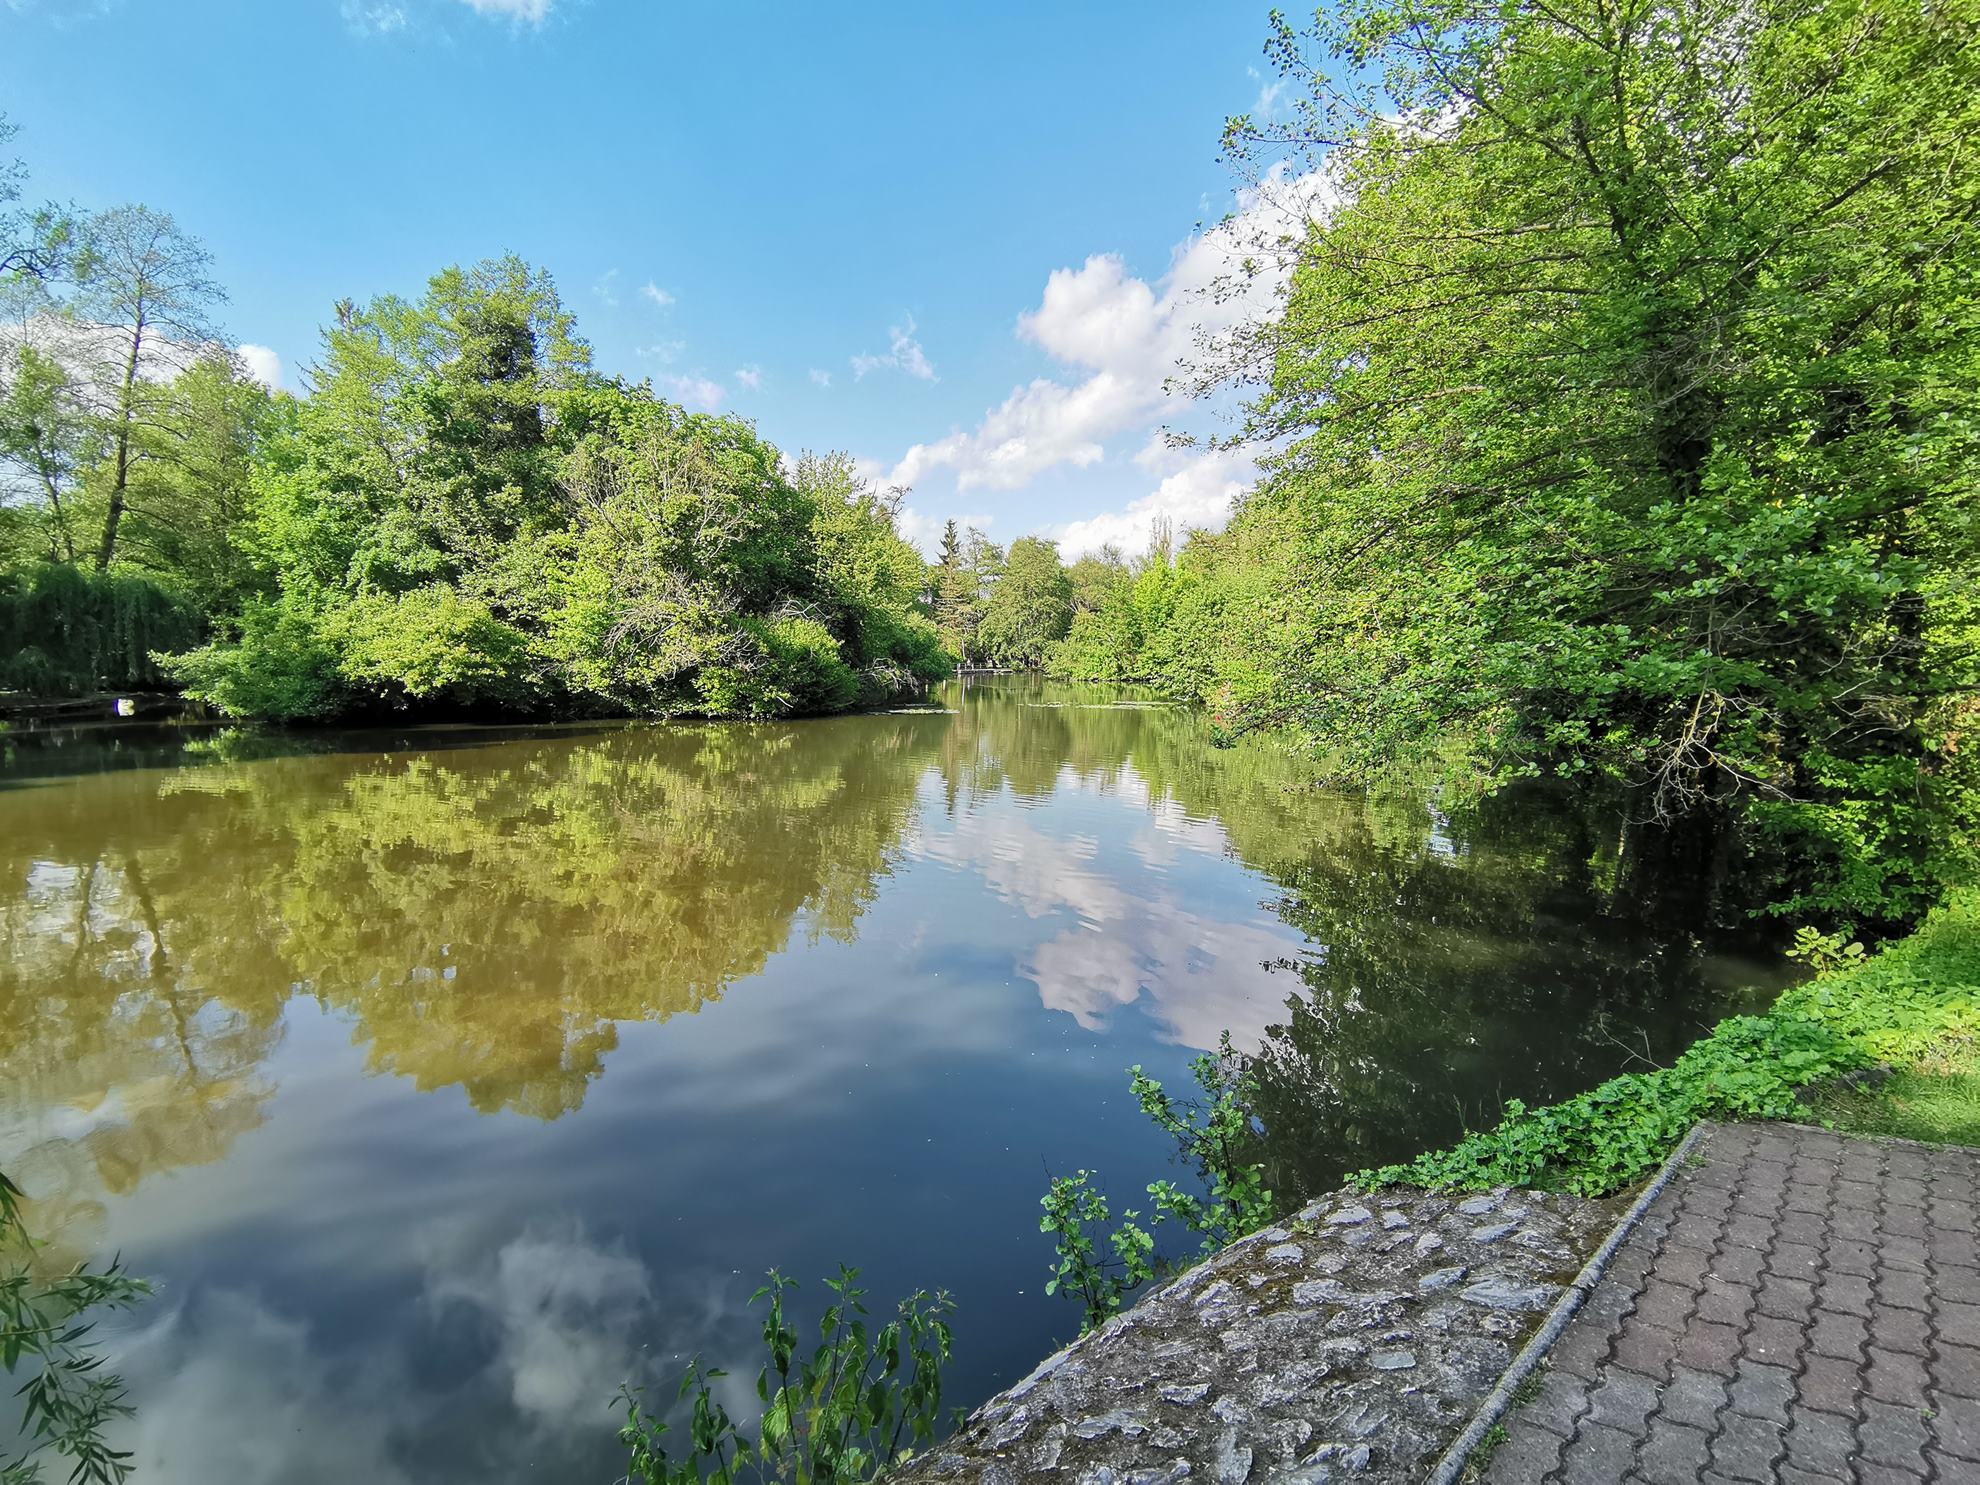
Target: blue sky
958, 241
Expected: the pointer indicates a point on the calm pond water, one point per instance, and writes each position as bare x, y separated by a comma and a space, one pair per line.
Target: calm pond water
443, 1078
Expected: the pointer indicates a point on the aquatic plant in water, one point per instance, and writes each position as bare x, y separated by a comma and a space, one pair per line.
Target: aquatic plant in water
860, 1402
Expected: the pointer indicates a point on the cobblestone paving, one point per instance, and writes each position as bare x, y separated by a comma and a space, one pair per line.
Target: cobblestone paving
1796, 1306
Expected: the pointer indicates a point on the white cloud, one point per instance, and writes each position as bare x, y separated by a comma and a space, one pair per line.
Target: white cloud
362, 18
1125, 943
607, 288
695, 392
564, 1310
530, 12
904, 353
820, 378
659, 296
663, 351
1130, 336
1266, 108
263, 364
64, 11
749, 377
302, 1416
1197, 493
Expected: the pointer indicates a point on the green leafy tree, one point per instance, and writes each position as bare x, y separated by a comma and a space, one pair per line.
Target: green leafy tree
47, 440
142, 296
1096, 578
1627, 406
189, 522
1029, 608
952, 591
32, 242
1220, 1138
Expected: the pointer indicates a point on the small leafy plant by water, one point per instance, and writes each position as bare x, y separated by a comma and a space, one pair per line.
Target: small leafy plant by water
1214, 1135
70, 1400
861, 1401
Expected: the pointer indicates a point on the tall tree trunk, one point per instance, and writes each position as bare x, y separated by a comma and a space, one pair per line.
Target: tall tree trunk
54, 488
125, 411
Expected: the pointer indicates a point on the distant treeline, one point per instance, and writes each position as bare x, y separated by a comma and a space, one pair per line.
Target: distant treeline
462, 515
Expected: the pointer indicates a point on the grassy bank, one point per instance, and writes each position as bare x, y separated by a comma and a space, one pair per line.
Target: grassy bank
1913, 1006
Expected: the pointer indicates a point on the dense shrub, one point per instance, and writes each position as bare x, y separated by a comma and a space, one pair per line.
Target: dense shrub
66, 631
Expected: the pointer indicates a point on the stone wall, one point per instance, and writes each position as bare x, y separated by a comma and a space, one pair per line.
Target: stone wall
1352, 1342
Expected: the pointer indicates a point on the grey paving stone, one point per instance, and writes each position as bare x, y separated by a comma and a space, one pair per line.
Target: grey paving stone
1560, 1403
1790, 1299
1762, 1391
1598, 1453
1909, 1331
1693, 1397
1742, 1265
1893, 1433
1847, 1293
1623, 1400
1525, 1458
1956, 1369
1806, 1313
1903, 1251
1838, 1335
1893, 1377
1821, 1443
1770, 1338
1673, 1454
1747, 1448
1831, 1385
1955, 1425
1709, 1347
1664, 1305
1646, 1349
1723, 1302
1958, 1324
1957, 1283
1848, 1256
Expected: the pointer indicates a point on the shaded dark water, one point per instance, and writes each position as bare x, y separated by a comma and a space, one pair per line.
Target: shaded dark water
444, 1078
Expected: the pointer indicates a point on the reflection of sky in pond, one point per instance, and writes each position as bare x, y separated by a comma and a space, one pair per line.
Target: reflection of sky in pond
445, 1080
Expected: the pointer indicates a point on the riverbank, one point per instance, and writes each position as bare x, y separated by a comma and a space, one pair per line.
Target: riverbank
1359, 1337
1355, 1339
1907, 1015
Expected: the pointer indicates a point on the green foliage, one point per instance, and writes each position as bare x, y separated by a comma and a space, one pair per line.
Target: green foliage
1029, 607
69, 1399
860, 1403
278, 665
1073, 1212
1141, 622
1898, 1005
1938, 1107
1624, 415
463, 515
1216, 1136
67, 631
47, 439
